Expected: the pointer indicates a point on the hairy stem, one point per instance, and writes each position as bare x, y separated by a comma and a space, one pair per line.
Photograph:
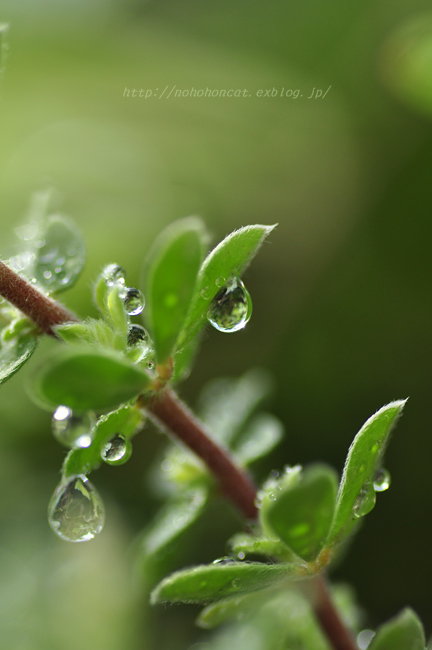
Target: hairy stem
33, 303
173, 416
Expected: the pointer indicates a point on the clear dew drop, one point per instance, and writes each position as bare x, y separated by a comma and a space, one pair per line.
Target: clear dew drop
364, 639
241, 555
382, 480
224, 560
365, 501
117, 451
133, 300
73, 430
114, 274
76, 512
138, 337
54, 268
231, 308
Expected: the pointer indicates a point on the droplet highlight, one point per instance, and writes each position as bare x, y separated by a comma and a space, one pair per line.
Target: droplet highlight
231, 308
73, 430
76, 512
117, 451
133, 300
114, 274
138, 337
382, 480
365, 501
224, 560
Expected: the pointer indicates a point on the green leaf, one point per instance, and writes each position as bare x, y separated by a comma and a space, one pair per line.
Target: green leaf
302, 512
84, 377
229, 258
246, 544
363, 460
60, 260
226, 404
174, 263
14, 353
215, 581
260, 438
231, 609
125, 420
405, 631
172, 520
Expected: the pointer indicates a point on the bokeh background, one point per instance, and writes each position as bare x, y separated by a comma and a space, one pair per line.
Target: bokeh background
342, 292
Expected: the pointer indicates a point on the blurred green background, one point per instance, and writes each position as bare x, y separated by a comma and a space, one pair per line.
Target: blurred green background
342, 293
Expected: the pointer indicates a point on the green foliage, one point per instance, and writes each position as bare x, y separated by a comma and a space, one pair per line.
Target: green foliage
364, 459
173, 267
219, 580
302, 512
83, 377
404, 631
16, 347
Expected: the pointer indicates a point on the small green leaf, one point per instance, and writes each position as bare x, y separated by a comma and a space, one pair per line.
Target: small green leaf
363, 460
404, 632
84, 377
244, 544
301, 513
260, 438
229, 258
60, 260
174, 263
14, 353
231, 609
216, 581
125, 420
174, 518
226, 404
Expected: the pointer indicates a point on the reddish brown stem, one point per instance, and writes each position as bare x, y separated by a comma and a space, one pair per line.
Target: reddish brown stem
171, 414
39, 308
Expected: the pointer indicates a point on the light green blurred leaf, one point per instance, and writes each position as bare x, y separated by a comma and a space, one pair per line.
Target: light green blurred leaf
216, 581
258, 545
84, 377
14, 353
174, 263
124, 420
302, 512
172, 520
363, 460
404, 632
259, 438
229, 258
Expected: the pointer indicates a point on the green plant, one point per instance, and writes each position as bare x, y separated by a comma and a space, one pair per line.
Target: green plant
108, 375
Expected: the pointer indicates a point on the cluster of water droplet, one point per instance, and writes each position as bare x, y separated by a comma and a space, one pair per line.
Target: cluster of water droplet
231, 308
366, 499
76, 512
138, 338
73, 430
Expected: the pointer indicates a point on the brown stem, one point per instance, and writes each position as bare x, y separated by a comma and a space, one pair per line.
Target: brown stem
328, 617
176, 418
173, 415
39, 308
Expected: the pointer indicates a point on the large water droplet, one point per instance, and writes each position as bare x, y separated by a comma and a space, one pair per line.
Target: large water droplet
76, 512
138, 336
114, 274
72, 430
365, 501
117, 451
382, 480
224, 560
134, 301
231, 308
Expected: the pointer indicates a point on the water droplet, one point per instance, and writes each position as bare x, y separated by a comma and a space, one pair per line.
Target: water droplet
76, 512
224, 560
235, 583
365, 501
364, 638
114, 274
220, 281
47, 275
382, 480
151, 365
138, 337
72, 430
134, 301
241, 555
117, 451
231, 308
